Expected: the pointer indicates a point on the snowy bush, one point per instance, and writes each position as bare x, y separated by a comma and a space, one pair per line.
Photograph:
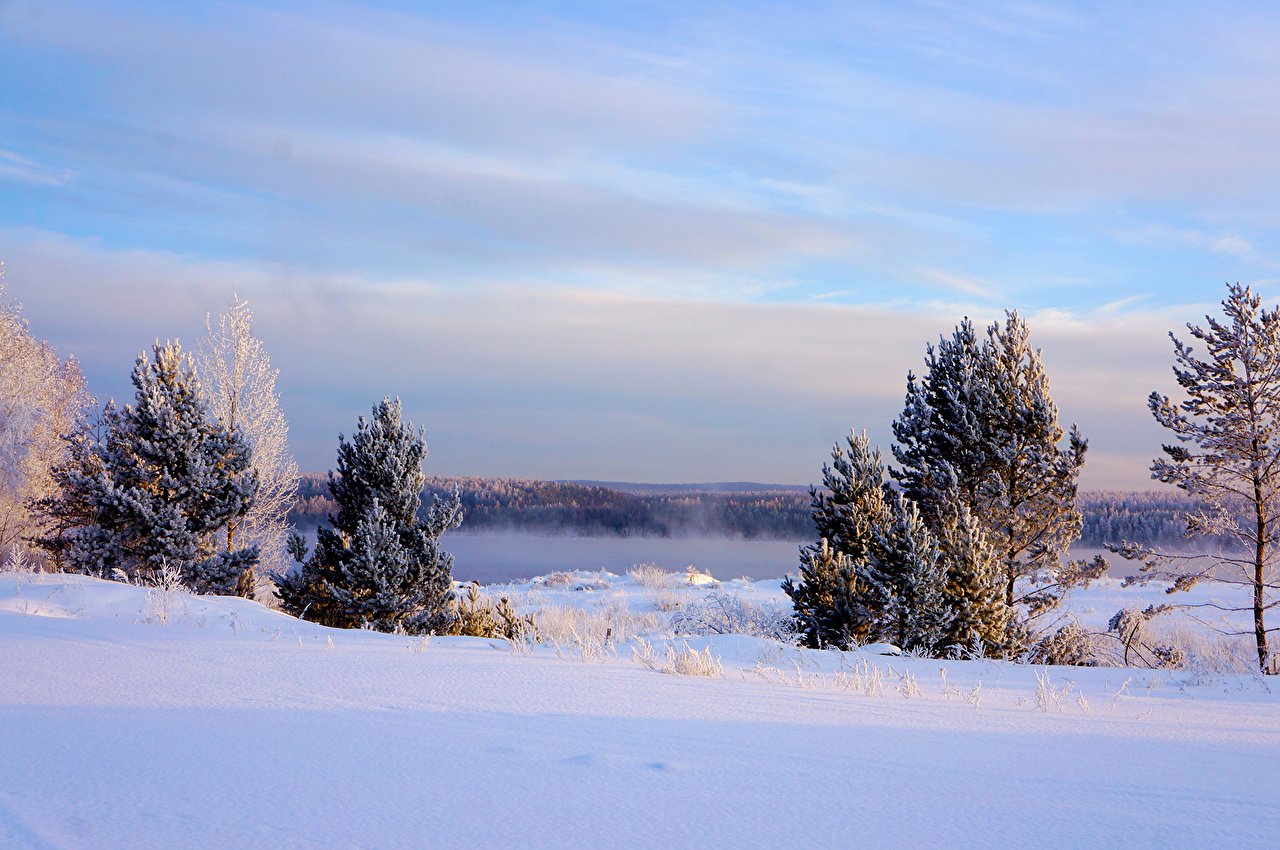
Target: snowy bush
17, 561
1070, 645
678, 662
723, 613
475, 616
651, 576
166, 593
595, 629
1129, 626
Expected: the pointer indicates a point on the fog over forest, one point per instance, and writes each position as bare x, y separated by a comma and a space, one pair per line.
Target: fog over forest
742, 510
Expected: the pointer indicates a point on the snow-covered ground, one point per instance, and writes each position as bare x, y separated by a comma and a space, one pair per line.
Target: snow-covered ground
131, 719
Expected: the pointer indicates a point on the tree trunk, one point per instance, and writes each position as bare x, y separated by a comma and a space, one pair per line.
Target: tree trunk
1259, 565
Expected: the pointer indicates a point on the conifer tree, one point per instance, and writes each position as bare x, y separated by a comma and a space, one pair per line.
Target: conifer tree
981, 421
154, 491
1227, 456
974, 586
379, 564
907, 578
830, 606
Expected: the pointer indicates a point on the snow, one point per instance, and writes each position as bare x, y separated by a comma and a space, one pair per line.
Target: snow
236, 726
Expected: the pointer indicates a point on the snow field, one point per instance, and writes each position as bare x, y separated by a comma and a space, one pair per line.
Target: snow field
132, 718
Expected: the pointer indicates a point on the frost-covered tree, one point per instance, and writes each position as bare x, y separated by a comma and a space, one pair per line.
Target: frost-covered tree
152, 494
378, 564
974, 583
1227, 455
829, 608
907, 577
981, 420
240, 387
41, 398
848, 512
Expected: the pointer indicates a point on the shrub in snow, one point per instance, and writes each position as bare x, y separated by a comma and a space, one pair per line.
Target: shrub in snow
667, 601
17, 561
1070, 645
723, 613
678, 662
651, 576
163, 480
379, 564
475, 616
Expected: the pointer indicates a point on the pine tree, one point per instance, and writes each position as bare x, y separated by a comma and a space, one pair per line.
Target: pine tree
1227, 456
853, 501
829, 609
829, 604
379, 565
907, 577
974, 587
981, 421
154, 491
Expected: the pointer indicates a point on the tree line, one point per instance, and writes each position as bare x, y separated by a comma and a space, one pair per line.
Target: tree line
560, 507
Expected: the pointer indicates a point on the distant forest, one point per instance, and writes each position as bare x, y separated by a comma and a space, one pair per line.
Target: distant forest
749, 511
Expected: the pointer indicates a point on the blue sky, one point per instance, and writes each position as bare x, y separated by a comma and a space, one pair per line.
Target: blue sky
659, 241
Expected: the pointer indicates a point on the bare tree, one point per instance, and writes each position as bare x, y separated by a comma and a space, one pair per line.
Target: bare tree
1227, 456
240, 386
41, 398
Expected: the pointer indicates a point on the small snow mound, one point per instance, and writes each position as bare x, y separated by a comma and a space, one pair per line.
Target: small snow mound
698, 578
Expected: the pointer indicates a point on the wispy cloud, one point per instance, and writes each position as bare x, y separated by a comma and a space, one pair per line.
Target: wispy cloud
685, 384
14, 166
968, 284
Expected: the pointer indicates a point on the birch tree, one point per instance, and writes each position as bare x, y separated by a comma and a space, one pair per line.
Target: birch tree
240, 387
41, 398
1227, 455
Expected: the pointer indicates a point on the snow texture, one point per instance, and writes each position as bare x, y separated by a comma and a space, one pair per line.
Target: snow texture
235, 726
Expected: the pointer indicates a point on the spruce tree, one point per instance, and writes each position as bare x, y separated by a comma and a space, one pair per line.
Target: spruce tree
830, 606
379, 564
153, 492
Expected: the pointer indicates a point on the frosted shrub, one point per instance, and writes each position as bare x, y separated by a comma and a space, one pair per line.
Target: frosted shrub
722, 613
1129, 625
651, 576
17, 562
560, 578
678, 662
1070, 645
591, 634
167, 591
475, 616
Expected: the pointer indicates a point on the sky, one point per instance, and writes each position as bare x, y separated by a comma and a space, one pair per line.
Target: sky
640, 241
